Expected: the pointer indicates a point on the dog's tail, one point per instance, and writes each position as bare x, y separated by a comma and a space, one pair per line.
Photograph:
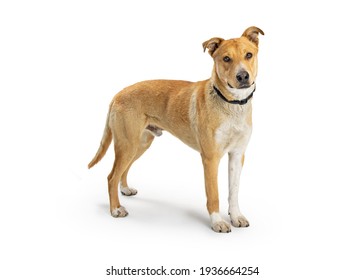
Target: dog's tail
104, 144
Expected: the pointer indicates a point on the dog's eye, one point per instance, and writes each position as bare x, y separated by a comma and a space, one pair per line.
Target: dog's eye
227, 59
249, 55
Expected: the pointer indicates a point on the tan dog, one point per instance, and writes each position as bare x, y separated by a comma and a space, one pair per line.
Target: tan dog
213, 117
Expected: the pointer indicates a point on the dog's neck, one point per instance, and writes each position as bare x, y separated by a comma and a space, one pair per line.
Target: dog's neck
238, 102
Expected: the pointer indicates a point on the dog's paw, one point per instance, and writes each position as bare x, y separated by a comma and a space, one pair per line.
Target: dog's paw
239, 221
128, 191
221, 226
218, 224
119, 212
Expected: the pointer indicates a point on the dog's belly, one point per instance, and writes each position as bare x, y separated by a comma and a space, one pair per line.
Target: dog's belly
183, 133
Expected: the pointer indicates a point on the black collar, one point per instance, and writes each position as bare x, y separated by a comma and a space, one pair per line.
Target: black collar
239, 102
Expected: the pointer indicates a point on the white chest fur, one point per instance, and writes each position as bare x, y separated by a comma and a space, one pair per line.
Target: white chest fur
234, 132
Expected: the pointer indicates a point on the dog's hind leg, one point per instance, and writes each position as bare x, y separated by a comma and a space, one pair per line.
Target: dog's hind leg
145, 142
116, 209
126, 137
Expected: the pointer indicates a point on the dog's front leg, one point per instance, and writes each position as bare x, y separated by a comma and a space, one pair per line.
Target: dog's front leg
211, 165
236, 161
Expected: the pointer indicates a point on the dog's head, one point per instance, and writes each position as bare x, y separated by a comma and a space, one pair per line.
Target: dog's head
236, 61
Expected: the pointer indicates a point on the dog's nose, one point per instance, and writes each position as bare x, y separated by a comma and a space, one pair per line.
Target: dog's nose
242, 77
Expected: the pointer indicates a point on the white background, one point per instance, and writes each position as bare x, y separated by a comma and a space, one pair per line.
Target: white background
62, 62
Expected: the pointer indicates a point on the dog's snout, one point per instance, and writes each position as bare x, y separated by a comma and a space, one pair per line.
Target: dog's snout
242, 77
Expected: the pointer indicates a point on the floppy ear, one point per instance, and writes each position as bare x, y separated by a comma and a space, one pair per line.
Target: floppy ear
212, 44
252, 34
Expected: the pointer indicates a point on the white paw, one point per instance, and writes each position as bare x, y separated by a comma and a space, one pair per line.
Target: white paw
239, 221
221, 226
119, 212
128, 191
218, 224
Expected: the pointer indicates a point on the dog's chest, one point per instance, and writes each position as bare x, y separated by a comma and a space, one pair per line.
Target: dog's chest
234, 132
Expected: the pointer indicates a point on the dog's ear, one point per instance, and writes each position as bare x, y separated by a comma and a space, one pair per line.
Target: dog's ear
212, 44
252, 34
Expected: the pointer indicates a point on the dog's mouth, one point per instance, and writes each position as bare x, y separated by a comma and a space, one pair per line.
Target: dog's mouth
240, 87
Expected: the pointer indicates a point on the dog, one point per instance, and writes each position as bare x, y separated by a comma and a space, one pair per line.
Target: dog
214, 117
